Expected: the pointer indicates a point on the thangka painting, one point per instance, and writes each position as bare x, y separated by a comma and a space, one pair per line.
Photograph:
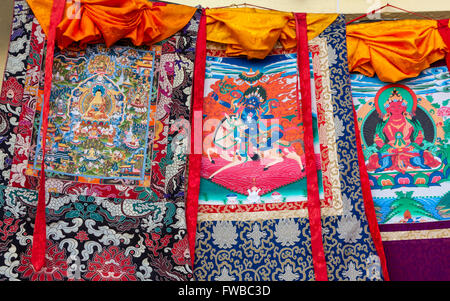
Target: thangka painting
115, 158
101, 121
109, 120
252, 210
405, 129
253, 136
252, 132
101, 114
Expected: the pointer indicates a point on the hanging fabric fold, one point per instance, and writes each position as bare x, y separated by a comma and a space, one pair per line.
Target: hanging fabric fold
394, 50
444, 31
253, 32
107, 21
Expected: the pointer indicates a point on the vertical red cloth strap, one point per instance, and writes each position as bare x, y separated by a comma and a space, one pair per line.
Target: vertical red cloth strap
195, 155
39, 235
444, 31
313, 205
369, 206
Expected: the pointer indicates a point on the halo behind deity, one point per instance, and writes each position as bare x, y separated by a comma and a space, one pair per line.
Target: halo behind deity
406, 93
87, 97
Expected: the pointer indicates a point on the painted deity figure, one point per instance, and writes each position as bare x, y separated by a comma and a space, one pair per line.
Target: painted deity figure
97, 105
399, 137
251, 134
250, 112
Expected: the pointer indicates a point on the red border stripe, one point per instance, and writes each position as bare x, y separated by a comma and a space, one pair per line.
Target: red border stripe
195, 156
318, 254
39, 235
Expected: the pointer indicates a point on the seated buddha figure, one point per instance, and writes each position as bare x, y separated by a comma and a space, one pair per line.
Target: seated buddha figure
97, 105
398, 139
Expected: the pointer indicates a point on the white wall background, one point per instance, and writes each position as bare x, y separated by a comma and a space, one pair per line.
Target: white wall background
330, 6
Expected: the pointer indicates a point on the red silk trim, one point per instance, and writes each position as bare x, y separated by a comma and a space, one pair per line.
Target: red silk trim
369, 206
195, 155
444, 31
313, 205
39, 234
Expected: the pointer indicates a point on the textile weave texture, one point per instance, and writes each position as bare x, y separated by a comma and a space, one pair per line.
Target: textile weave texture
252, 217
116, 160
117, 156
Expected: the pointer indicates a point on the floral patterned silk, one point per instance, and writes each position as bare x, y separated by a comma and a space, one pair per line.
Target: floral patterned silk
118, 126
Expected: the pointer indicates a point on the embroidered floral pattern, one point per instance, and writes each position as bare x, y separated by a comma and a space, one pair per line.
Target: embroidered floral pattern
12, 91
111, 265
349, 228
288, 274
287, 232
224, 234
352, 273
256, 235
55, 268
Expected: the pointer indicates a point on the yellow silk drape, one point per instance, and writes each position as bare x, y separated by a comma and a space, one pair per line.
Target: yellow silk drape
394, 50
108, 21
253, 32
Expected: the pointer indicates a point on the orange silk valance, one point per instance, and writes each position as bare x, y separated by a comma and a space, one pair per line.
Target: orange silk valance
245, 31
94, 21
253, 32
394, 50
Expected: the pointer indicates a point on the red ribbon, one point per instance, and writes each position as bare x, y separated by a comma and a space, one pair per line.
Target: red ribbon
39, 235
369, 206
444, 31
313, 205
195, 156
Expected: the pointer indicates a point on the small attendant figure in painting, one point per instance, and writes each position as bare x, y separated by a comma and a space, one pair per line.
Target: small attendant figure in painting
60, 108
408, 218
277, 197
231, 199
253, 195
110, 133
